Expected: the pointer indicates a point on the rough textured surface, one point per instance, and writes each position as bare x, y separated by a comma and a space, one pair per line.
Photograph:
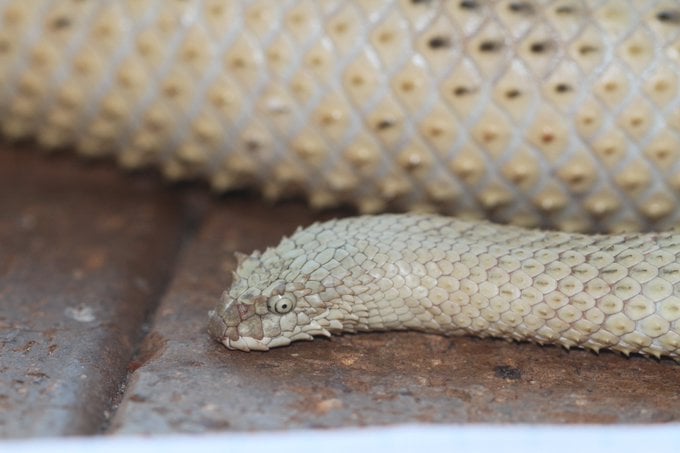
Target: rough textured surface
81, 265
182, 381
543, 112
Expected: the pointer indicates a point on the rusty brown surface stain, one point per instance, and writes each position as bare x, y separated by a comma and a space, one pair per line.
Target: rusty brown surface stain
72, 303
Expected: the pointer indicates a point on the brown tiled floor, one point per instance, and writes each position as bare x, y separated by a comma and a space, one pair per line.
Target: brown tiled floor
96, 266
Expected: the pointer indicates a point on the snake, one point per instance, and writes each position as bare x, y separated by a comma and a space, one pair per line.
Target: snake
444, 275
542, 114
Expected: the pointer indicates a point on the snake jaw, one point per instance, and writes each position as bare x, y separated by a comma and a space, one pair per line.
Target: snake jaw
246, 344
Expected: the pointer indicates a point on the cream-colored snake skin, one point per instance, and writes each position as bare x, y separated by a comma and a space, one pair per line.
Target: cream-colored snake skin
549, 113
442, 275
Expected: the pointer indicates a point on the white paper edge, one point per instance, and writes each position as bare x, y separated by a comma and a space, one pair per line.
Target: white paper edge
407, 438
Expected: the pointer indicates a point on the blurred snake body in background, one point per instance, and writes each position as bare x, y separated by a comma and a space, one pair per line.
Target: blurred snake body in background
540, 113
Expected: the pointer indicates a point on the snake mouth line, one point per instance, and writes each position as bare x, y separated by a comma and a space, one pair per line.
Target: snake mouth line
245, 344
253, 344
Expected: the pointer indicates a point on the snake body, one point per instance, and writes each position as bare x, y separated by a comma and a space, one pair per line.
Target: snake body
548, 113
447, 276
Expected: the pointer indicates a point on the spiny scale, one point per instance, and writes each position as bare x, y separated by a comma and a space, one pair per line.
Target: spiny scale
555, 113
447, 276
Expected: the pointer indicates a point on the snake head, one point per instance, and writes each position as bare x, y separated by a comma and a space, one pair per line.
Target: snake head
262, 310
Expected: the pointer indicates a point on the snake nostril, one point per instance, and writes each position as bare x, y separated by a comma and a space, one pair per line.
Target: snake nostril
245, 311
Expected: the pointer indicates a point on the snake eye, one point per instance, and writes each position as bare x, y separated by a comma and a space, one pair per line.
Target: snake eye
280, 305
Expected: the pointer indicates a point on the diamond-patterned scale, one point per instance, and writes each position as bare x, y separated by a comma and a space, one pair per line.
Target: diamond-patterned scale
541, 112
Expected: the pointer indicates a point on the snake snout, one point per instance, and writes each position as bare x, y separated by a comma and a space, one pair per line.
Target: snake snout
235, 325
224, 317
216, 326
